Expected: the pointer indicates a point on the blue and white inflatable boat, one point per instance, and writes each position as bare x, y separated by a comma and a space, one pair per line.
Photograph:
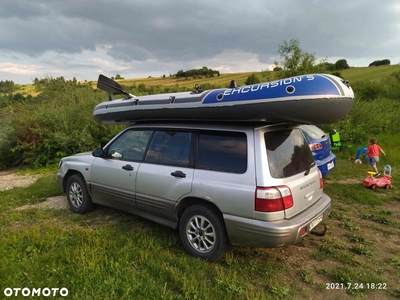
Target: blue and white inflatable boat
307, 99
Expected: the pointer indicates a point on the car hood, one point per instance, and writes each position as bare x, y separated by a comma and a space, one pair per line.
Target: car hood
86, 157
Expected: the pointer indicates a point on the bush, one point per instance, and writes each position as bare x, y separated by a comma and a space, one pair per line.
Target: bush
252, 79
383, 62
367, 90
368, 119
376, 110
337, 73
40, 133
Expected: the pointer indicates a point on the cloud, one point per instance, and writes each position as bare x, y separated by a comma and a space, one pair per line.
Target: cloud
166, 36
19, 69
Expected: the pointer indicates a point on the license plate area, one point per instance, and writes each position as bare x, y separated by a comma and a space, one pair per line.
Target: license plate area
315, 222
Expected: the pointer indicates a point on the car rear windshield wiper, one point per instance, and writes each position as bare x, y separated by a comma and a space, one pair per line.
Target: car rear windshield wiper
310, 164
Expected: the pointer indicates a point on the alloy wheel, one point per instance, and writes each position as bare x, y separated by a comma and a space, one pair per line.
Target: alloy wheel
201, 234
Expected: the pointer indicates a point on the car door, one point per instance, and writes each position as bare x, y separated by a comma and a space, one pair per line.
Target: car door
113, 176
166, 174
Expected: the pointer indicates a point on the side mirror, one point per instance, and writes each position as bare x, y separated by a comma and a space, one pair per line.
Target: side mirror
98, 152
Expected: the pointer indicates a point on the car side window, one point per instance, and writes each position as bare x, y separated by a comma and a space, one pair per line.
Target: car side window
130, 145
170, 147
223, 152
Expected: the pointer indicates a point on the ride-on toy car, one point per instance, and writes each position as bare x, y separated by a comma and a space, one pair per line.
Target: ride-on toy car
383, 182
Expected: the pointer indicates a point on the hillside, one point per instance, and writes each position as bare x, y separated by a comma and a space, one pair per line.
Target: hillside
369, 73
351, 74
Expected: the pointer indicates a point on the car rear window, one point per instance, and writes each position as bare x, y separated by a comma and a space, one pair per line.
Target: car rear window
222, 151
288, 153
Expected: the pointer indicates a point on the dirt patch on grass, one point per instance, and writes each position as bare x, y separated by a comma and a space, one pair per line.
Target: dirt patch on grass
9, 180
344, 181
58, 202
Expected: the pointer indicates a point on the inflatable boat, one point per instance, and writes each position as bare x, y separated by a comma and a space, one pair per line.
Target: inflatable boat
305, 99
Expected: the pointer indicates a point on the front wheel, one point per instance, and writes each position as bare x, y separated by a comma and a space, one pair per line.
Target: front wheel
78, 197
203, 233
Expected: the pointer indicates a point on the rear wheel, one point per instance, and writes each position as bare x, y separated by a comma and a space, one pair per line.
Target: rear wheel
78, 197
202, 232
387, 186
373, 186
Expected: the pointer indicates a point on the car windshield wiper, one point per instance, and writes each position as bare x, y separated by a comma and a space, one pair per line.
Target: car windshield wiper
310, 164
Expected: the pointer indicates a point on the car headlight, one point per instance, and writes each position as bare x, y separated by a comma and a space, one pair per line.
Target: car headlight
60, 164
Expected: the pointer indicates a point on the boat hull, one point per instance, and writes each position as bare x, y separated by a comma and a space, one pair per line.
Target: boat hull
308, 99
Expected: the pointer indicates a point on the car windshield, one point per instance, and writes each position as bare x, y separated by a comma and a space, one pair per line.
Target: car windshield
313, 131
288, 153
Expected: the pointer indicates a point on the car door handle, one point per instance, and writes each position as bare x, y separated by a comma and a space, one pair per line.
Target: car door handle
128, 167
178, 174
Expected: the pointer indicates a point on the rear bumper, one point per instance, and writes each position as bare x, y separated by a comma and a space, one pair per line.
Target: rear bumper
255, 233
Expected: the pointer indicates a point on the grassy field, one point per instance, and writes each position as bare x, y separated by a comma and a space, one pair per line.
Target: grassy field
369, 73
222, 81
351, 74
109, 254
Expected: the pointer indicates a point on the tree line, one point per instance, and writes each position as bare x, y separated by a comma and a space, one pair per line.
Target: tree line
7, 86
204, 71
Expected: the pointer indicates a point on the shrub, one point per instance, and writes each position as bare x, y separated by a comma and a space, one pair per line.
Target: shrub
337, 73
382, 62
367, 90
252, 79
40, 133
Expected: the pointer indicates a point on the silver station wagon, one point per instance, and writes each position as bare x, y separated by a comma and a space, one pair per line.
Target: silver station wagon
219, 184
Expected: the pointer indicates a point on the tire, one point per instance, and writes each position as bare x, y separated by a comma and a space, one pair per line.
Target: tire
387, 186
202, 232
373, 186
78, 197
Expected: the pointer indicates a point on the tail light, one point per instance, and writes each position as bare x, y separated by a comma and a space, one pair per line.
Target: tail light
316, 146
321, 181
272, 199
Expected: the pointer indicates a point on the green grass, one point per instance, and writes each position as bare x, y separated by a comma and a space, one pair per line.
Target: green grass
117, 262
108, 254
369, 73
112, 255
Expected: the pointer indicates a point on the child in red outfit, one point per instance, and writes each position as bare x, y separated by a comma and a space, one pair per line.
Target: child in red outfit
373, 151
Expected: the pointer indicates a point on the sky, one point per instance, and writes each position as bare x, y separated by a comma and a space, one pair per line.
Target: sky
142, 38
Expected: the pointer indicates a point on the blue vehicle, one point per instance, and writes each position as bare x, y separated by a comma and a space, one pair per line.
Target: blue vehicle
321, 149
